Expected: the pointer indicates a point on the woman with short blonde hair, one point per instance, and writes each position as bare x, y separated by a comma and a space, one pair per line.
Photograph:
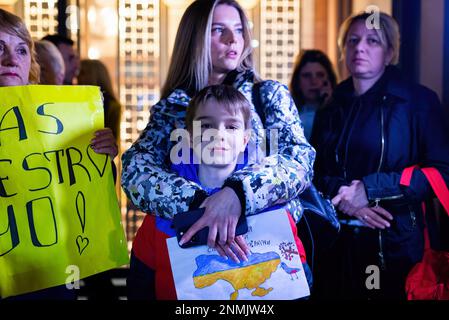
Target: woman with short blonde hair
387, 31
377, 125
12, 25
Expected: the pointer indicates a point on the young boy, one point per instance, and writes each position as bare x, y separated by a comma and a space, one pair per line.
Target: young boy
223, 115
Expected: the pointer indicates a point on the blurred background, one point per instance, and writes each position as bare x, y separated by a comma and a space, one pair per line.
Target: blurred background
134, 39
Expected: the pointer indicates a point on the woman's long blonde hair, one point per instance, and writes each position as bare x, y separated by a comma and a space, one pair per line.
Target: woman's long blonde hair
13, 25
191, 62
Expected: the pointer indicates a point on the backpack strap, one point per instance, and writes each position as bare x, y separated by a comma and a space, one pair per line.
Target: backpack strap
257, 101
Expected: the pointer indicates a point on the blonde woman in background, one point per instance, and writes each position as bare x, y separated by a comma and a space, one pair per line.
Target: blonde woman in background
51, 62
377, 124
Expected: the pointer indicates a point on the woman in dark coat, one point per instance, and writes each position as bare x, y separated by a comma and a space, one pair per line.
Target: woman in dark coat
377, 125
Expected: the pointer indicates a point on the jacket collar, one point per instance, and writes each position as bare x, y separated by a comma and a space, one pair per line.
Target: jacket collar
391, 84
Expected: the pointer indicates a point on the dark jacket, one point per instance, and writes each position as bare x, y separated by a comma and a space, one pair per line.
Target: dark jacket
372, 138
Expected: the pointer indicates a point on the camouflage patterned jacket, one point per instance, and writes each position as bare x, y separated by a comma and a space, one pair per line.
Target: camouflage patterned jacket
278, 178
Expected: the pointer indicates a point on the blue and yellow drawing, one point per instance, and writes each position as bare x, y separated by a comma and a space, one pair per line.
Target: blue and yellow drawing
249, 274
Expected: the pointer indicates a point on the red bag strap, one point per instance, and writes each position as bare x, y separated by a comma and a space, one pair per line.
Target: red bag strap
435, 179
438, 185
406, 176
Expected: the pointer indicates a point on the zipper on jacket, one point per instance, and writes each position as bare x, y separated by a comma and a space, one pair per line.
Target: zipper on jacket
377, 200
412, 216
381, 252
382, 135
382, 150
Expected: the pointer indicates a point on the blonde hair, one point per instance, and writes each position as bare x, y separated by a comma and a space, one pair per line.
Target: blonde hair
388, 32
191, 62
51, 62
13, 25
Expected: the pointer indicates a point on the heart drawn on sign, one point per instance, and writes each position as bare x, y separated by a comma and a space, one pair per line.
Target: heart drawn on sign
81, 209
95, 155
81, 243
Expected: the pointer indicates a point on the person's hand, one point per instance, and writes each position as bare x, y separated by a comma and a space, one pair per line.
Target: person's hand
325, 92
104, 143
239, 248
351, 198
374, 217
222, 213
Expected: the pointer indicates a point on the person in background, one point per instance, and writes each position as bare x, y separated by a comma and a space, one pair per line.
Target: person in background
51, 63
70, 56
377, 124
19, 67
311, 85
213, 46
95, 73
104, 141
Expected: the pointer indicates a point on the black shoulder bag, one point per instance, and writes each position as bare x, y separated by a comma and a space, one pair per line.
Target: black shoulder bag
319, 220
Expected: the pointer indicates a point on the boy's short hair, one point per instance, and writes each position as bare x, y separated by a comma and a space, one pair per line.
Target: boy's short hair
226, 96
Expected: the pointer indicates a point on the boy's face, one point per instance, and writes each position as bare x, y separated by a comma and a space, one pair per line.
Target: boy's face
223, 136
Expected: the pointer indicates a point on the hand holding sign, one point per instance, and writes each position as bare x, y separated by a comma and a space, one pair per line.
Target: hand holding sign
58, 205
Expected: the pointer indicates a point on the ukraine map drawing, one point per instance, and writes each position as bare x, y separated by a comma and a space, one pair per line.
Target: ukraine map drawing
249, 274
200, 273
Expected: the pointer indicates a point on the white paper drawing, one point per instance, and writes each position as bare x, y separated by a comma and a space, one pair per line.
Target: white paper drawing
273, 270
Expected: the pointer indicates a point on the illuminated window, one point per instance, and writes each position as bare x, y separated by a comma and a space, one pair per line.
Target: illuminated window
279, 38
41, 17
139, 78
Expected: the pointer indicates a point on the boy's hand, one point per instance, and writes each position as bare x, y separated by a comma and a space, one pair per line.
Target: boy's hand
237, 249
222, 213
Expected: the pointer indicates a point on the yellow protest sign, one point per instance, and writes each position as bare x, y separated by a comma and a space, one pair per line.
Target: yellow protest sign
59, 213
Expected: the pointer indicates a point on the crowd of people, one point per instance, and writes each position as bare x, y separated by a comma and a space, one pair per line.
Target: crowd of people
352, 139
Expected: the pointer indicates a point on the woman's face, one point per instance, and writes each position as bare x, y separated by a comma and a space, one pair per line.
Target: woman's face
312, 78
226, 39
15, 60
366, 57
